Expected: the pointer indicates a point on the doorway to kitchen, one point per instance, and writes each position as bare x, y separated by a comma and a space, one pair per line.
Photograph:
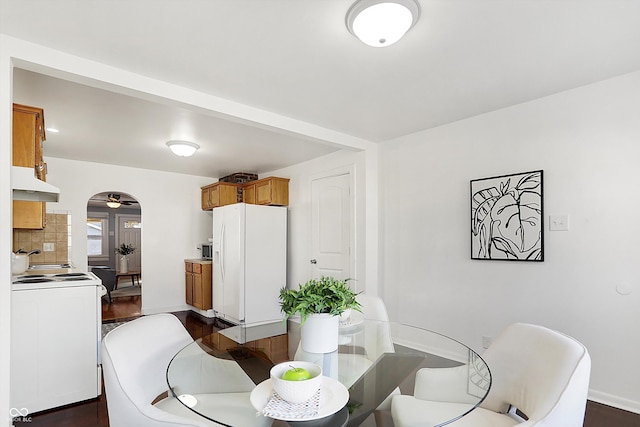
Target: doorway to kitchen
114, 226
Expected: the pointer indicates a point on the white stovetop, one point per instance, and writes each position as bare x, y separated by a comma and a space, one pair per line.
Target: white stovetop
94, 281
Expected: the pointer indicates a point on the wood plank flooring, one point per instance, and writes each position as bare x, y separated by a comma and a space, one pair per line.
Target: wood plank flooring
121, 308
93, 413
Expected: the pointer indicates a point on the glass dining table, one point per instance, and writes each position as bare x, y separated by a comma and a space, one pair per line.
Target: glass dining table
224, 377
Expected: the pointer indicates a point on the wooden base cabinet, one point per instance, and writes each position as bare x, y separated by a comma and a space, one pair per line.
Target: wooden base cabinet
198, 284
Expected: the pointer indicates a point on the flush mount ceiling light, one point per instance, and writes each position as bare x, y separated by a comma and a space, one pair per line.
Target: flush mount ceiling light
381, 23
183, 148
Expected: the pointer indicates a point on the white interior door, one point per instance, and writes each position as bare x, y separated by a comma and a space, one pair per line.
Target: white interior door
130, 233
331, 224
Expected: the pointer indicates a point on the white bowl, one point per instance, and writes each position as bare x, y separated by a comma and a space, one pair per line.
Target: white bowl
296, 391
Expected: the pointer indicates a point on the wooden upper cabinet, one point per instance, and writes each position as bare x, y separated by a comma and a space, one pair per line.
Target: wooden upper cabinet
219, 194
249, 193
267, 191
28, 136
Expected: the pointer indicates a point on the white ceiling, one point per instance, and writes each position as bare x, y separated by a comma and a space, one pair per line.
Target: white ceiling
106, 127
297, 59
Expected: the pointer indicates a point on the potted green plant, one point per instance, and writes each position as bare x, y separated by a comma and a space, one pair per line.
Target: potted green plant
123, 250
320, 302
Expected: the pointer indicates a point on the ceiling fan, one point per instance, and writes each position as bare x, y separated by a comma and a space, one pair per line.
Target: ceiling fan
114, 200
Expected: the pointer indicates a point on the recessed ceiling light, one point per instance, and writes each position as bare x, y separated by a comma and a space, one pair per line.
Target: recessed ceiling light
53, 130
381, 23
183, 148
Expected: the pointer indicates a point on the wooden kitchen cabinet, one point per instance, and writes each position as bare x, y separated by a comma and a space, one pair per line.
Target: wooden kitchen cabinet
267, 191
28, 136
198, 284
219, 194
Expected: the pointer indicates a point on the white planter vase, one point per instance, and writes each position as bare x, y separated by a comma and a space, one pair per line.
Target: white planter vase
124, 264
319, 333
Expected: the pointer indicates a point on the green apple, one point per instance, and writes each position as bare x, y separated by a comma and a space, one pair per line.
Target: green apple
296, 374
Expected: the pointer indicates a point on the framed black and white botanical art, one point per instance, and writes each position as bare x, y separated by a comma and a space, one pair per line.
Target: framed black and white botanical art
507, 217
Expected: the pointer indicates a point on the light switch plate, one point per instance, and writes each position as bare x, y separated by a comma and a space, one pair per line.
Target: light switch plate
559, 222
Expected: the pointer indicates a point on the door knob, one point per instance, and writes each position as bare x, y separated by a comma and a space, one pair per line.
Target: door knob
313, 261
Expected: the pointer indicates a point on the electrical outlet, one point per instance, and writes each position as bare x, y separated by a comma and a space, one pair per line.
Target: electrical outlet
48, 247
486, 342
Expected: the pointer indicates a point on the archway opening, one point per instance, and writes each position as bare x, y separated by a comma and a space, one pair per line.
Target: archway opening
114, 249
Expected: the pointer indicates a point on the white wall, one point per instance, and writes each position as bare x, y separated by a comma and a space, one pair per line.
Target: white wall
587, 141
299, 239
5, 233
172, 221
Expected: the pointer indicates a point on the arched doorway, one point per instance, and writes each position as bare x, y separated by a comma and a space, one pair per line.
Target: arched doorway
114, 219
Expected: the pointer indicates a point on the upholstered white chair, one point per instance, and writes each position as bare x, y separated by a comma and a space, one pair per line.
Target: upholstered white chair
135, 357
541, 372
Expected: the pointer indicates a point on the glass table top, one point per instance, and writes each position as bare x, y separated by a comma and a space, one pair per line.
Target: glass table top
219, 376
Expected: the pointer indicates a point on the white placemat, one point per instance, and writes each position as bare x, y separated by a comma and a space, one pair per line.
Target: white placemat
279, 408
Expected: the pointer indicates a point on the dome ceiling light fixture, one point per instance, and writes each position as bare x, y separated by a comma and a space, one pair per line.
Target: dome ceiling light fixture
183, 148
381, 23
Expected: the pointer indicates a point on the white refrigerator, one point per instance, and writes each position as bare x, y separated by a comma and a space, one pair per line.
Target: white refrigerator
249, 262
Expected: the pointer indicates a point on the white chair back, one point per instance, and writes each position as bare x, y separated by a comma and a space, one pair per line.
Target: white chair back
542, 372
373, 307
135, 357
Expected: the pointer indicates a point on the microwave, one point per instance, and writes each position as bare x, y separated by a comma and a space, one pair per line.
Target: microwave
206, 251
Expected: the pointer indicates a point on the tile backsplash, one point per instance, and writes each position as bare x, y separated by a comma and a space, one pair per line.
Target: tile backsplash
54, 241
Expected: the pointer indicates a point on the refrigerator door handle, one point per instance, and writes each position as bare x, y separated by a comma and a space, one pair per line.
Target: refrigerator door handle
222, 252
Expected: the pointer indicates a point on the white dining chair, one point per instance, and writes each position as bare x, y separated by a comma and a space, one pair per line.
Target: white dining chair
135, 357
372, 307
540, 377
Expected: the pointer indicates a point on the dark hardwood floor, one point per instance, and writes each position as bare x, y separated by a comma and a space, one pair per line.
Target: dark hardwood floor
121, 308
93, 413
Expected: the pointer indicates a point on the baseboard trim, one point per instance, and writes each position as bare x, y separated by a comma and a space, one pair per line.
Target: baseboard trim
155, 310
615, 401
